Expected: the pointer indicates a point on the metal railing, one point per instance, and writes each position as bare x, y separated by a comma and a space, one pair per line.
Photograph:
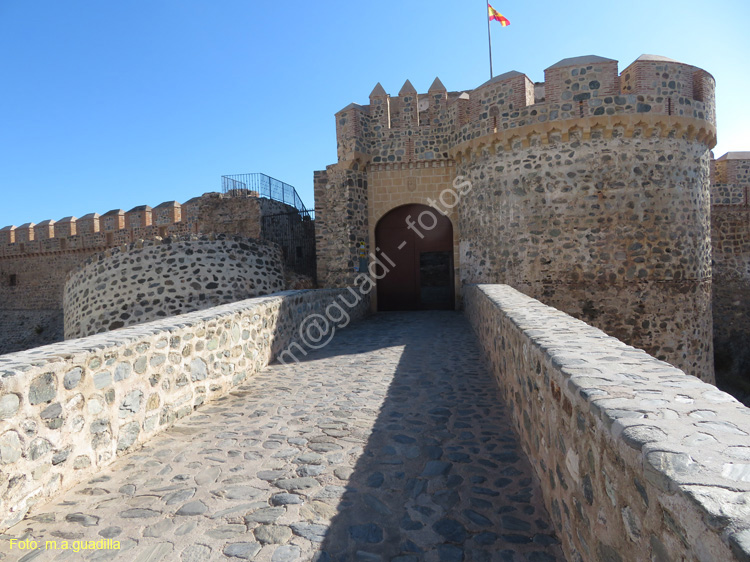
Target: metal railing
265, 186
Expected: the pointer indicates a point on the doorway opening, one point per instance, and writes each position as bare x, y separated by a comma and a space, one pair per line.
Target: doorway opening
418, 240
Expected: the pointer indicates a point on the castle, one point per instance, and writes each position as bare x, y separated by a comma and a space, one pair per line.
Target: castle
594, 192
589, 191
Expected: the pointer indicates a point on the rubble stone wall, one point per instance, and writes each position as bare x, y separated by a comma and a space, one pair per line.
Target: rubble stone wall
35, 260
341, 196
615, 231
730, 237
155, 279
26, 329
69, 409
37, 282
637, 460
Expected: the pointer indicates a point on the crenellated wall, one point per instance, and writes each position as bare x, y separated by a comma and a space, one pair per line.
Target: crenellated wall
589, 191
36, 258
391, 129
211, 213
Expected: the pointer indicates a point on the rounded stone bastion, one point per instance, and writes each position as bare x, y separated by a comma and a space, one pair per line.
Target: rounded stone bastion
595, 200
147, 280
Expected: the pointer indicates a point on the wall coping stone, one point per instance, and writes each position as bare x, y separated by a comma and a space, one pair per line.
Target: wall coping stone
687, 441
171, 365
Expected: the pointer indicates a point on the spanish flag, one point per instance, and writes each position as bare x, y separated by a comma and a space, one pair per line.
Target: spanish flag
497, 16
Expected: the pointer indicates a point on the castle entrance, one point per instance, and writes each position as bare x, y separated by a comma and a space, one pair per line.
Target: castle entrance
416, 255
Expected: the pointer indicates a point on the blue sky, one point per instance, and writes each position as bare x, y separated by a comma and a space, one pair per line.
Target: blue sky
109, 105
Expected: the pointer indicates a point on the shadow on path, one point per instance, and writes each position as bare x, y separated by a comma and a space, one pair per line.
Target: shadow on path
390, 444
442, 476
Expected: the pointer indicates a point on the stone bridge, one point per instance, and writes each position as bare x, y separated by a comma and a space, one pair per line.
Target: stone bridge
512, 432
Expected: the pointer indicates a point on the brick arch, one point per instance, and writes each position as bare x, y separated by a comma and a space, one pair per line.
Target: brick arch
415, 249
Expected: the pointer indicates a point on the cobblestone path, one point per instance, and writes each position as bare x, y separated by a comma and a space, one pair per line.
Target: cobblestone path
388, 444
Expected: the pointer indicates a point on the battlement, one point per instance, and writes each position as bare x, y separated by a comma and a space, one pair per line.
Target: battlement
114, 228
589, 89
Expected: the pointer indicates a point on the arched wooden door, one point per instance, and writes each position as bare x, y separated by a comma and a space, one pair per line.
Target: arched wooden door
416, 244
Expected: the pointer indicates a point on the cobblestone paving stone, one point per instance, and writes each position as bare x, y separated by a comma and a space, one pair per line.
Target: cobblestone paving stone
389, 444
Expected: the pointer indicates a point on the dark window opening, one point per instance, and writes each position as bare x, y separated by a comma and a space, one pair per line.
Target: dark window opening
13, 280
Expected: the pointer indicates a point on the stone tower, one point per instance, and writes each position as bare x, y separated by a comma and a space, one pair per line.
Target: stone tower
589, 191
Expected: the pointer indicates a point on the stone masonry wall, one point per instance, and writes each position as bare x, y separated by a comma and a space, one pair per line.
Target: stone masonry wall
69, 409
734, 171
240, 216
36, 259
637, 460
730, 236
39, 280
24, 329
154, 279
341, 221
614, 231
40, 260
294, 232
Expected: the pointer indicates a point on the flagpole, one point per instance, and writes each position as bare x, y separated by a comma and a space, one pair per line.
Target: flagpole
489, 35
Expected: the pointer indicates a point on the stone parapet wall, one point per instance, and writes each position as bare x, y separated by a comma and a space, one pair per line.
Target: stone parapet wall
637, 460
670, 321
147, 280
69, 409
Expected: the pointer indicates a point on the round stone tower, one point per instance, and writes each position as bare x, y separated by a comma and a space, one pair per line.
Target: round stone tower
153, 279
592, 195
